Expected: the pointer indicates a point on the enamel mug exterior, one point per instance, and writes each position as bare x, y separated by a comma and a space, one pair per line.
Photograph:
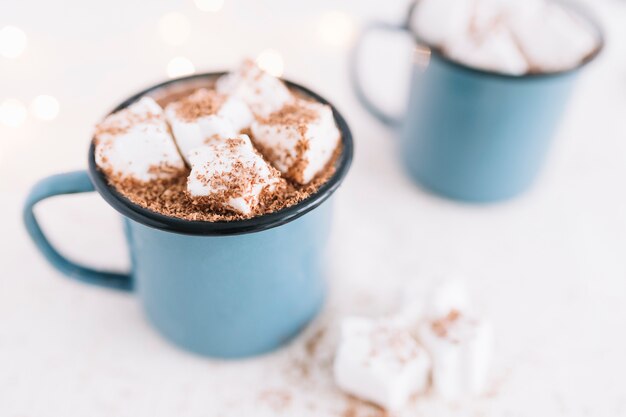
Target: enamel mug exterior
224, 289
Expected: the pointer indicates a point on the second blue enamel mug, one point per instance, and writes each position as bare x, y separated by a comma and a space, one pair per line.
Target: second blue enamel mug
469, 134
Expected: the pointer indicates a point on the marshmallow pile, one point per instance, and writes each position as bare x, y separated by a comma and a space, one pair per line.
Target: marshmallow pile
508, 36
296, 138
388, 360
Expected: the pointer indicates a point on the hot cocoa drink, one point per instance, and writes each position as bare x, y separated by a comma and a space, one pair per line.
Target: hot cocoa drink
239, 147
507, 36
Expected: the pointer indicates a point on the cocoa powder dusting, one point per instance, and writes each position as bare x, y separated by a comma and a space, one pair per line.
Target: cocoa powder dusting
201, 103
356, 407
123, 121
440, 327
292, 114
169, 196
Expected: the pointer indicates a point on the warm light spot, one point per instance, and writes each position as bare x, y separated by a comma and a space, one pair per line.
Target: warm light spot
271, 61
336, 28
179, 67
209, 5
12, 113
45, 107
174, 28
12, 42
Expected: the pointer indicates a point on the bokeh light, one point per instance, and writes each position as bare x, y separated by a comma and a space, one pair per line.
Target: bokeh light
12, 113
174, 28
209, 5
45, 107
13, 42
336, 28
179, 67
271, 61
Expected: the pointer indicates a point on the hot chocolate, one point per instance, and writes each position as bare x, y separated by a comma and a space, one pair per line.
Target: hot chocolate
507, 36
243, 146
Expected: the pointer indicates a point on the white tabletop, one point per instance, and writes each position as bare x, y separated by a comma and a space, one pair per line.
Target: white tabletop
548, 268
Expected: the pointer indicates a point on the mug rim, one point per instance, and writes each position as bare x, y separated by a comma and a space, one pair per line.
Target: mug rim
223, 228
578, 9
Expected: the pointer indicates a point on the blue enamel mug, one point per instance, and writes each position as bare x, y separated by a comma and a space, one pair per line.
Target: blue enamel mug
473, 135
221, 289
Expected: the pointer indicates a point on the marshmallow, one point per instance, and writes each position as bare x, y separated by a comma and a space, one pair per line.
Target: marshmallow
436, 20
460, 345
262, 92
135, 143
508, 36
449, 294
379, 361
415, 303
229, 174
460, 348
206, 115
552, 38
496, 51
299, 139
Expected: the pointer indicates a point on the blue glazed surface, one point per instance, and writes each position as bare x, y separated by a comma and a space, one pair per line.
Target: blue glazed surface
475, 137
67, 183
232, 296
222, 296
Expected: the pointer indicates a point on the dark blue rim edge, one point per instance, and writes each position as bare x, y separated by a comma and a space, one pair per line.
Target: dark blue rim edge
581, 10
203, 228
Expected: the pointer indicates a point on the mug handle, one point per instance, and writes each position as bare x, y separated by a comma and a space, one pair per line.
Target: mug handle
383, 116
68, 183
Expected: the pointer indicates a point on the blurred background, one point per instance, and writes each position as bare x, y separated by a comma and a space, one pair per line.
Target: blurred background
89, 56
548, 267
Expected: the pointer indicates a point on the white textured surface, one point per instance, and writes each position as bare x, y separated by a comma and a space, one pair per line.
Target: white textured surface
379, 360
498, 52
321, 136
225, 123
548, 268
461, 356
508, 36
263, 92
230, 164
142, 148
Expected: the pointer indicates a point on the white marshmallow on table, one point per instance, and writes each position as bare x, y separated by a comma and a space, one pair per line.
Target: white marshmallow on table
460, 345
230, 173
460, 348
213, 116
552, 37
262, 92
379, 361
299, 140
415, 301
136, 143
